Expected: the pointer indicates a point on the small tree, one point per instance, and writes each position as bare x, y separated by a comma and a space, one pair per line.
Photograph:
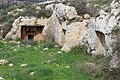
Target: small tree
81, 7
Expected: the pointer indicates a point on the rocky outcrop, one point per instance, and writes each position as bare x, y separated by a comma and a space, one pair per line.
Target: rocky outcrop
25, 21
68, 28
75, 32
100, 37
64, 27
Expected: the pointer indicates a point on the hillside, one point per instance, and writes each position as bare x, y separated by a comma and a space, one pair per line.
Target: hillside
59, 40
51, 64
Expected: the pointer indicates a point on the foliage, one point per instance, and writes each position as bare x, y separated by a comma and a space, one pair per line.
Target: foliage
47, 65
113, 74
82, 8
18, 39
29, 42
103, 2
79, 49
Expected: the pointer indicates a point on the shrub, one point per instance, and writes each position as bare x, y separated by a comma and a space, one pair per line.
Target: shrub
1, 45
29, 42
114, 74
19, 39
79, 49
49, 45
103, 2
81, 7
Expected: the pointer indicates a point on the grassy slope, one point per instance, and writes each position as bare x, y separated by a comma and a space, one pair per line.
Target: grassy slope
48, 65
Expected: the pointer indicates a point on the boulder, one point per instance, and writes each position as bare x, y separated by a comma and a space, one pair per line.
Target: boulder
67, 12
11, 64
75, 32
64, 24
50, 7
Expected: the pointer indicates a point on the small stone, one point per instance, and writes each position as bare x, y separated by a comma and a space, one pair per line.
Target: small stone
1, 78
87, 16
15, 50
45, 49
24, 65
28, 45
10, 64
57, 64
67, 66
35, 47
32, 73
56, 46
59, 52
38, 8
3, 61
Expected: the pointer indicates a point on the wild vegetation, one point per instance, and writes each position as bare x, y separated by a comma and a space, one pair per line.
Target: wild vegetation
89, 6
51, 64
10, 13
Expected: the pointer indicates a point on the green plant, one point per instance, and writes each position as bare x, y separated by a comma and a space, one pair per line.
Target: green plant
79, 49
29, 42
2, 45
19, 39
49, 44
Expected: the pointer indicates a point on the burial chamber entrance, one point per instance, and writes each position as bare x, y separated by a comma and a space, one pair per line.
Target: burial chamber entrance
101, 37
32, 33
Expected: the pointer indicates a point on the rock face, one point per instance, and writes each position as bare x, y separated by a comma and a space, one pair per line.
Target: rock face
75, 33
64, 27
100, 37
1, 78
16, 31
68, 30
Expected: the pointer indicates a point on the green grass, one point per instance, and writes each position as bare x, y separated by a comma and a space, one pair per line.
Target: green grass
47, 65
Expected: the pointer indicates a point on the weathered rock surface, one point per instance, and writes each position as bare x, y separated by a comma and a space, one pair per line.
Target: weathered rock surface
50, 7
64, 27
100, 37
26, 21
75, 33
68, 28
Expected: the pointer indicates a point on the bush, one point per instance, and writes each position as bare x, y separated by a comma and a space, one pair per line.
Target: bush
114, 74
103, 2
29, 42
81, 7
19, 39
79, 49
